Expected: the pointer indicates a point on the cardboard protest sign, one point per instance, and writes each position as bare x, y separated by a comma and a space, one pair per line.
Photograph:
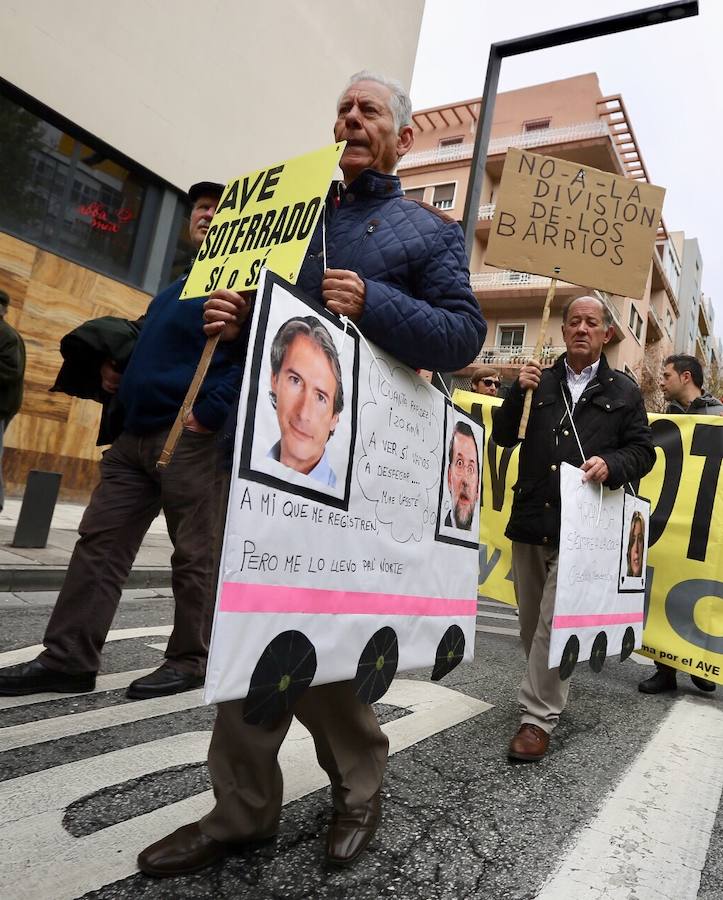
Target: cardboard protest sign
684, 563
571, 222
263, 220
351, 545
594, 617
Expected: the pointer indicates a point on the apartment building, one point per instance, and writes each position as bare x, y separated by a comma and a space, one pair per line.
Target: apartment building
570, 119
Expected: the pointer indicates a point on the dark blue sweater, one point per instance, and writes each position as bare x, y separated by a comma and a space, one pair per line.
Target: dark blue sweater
163, 363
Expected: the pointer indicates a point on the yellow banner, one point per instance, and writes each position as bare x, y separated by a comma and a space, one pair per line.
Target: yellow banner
684, 595
264, 220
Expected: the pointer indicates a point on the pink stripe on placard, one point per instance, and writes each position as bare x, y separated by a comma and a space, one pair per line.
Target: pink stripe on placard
591, 621
266, 598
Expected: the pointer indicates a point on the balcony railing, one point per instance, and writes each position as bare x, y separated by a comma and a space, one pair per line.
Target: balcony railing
486, 211
438, 155
506, 278
657, 321
704, 323
516, 356
523, 140
610, 306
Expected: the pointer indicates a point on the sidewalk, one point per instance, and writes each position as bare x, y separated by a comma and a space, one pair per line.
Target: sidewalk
24, 569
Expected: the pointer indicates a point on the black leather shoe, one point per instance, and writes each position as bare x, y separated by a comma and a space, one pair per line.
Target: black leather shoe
35, 678
349, 833
162, 682
187, 850
663, 680
702, 683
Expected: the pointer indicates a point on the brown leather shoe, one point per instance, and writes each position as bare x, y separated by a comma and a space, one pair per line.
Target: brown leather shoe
187, 850
349, 833
529, 744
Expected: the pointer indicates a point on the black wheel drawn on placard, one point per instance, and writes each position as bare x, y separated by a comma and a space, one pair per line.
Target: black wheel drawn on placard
377, 665
599, 651
568, 661
628, 644
450, 651
283, 672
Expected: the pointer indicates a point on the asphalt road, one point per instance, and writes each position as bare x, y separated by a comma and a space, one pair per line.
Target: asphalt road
626, 805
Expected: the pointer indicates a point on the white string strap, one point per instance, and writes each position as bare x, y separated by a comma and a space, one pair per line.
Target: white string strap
582, 452
444, 386
323, 238
349, 324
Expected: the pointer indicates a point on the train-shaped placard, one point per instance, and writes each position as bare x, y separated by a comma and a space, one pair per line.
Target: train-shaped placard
352, 532
602, 565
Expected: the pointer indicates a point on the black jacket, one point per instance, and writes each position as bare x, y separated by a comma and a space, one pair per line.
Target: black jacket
611, 423
12, 371
84, 350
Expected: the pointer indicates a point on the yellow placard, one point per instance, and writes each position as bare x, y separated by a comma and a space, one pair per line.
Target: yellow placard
558, 218
264, 220
684, 594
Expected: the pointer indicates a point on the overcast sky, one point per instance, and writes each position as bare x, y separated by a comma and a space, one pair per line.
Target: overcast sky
670, 77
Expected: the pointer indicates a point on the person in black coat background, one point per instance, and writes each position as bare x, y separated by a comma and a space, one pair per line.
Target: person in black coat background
579, 394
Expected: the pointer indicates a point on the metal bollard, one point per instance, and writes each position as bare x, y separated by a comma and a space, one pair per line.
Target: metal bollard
36, 512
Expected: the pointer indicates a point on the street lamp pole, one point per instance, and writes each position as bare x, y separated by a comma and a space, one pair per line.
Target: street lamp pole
653, 15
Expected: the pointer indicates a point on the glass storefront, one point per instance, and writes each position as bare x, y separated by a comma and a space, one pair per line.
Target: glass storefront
68, 197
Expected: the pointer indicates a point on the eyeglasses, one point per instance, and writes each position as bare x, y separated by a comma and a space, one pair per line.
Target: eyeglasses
488, 382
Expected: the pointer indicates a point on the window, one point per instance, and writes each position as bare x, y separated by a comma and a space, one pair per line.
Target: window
450, 142
416, 193
70, 197
536, 125
511, 336
443, 196
635, 322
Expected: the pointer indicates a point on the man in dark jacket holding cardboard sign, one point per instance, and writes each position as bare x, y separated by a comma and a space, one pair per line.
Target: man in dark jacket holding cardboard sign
398, 270
609, 419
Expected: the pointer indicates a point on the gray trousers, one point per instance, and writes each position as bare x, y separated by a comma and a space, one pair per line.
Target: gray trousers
244, 767
130, 495
542, 695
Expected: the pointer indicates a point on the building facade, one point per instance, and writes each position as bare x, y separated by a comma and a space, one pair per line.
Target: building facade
570, 119
107, 114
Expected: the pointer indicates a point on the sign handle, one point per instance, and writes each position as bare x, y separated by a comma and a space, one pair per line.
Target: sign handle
174, 434
538, 353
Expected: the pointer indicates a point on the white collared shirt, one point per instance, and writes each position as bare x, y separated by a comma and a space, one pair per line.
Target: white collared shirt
577, 383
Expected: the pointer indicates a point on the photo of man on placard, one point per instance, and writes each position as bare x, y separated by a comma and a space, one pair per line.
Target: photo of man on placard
308, 396
463, 478
633, 550
636, 546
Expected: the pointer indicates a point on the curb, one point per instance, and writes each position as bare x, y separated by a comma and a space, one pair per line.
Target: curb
49, 578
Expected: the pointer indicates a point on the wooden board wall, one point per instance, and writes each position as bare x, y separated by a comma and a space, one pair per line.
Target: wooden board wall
50, 296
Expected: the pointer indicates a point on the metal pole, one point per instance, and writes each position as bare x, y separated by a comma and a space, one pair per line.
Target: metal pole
479, 157
652, 15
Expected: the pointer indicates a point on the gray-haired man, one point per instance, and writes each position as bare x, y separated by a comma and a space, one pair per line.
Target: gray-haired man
398, 270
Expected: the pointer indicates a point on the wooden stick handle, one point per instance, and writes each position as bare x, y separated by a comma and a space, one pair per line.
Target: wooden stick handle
174, 434
538, 352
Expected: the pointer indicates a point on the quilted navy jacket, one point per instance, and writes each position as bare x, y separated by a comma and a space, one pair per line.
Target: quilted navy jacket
419, 305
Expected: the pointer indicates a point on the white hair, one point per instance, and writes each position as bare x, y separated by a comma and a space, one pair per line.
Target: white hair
399, 104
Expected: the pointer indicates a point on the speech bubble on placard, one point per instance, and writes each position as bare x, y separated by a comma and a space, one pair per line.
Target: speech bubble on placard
401, 437
264, 219
558, 218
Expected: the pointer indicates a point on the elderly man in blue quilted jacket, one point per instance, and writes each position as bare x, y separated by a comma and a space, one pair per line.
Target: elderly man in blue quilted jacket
398, 269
